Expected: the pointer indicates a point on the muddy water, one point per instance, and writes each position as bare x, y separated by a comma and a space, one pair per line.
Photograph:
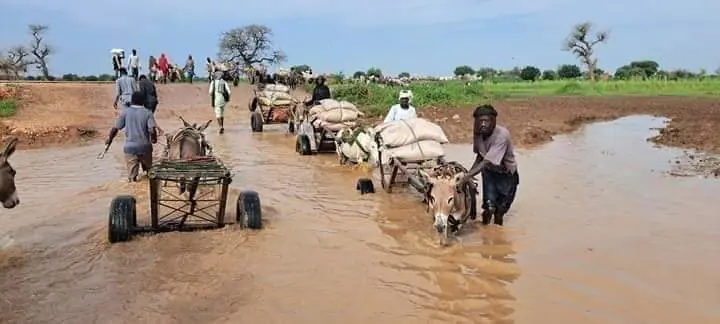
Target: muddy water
596, 235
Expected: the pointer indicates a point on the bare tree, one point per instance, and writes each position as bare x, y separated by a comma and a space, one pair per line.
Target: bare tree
17, 57
250, 44
40, 50
582, 44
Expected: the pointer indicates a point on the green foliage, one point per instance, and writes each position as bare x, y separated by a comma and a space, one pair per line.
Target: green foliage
358, 74
404, 75
486, 73
638, 69
376, 100
463, 70
530, 73
549, 75
7, 108
569, 71
373, 71
300, 68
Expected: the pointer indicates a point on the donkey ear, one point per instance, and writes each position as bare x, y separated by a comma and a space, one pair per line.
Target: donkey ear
10, 148
428, 176
204, 127
185, 123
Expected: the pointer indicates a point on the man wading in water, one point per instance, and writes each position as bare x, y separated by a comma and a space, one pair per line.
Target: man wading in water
140, 134
495, 160
124, 88
219, 97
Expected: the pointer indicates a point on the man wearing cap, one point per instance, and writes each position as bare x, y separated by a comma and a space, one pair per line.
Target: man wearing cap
320, 92
403, 110
495, 160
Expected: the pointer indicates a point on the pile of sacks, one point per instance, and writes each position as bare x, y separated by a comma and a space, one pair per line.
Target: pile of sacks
276, 95
334, 115
414, 139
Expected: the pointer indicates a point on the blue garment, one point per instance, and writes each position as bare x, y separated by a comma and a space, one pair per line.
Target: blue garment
138, 123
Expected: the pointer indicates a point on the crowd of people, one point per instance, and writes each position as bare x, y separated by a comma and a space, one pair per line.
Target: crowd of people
159, 69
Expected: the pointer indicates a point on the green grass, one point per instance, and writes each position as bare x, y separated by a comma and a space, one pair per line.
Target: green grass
376, 99
7, 108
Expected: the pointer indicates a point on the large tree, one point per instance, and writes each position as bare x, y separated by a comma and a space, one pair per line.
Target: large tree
250, 44
39, 49
582, 44
15, 61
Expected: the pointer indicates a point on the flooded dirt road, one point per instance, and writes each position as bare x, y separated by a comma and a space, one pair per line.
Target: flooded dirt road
599, 234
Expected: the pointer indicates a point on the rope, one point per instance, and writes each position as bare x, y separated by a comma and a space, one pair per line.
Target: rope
412, 131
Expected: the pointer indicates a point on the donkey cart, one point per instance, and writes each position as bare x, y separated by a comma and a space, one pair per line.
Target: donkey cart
263, 111
200, 203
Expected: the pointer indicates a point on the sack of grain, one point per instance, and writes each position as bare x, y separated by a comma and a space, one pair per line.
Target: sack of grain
275, 95
333, 126
403, 132
277, 88
275, 102
334, 111
419, 151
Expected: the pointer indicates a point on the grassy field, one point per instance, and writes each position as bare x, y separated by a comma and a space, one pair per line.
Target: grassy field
377, 99
7, 108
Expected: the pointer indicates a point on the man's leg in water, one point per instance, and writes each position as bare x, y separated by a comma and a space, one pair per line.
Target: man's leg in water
220, 115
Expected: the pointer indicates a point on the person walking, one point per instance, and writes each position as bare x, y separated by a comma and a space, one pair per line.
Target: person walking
219, 97
124, 88
190, 68
164, 66
147, 88
210, 68
141, 133
134, 65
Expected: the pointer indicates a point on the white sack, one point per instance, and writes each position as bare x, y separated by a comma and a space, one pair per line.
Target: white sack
403, 132
274, 102
420, 151
328, 104
333, 126
277, 88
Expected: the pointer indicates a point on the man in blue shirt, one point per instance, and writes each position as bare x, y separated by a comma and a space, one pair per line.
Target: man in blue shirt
124, 87
140, 135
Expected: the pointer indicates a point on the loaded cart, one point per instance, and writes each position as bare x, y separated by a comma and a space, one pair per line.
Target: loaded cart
273, 104
184, 195
312, 139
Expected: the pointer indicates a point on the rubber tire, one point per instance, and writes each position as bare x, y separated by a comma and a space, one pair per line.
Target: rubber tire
248, 211
303, 144
256, 123
122, 218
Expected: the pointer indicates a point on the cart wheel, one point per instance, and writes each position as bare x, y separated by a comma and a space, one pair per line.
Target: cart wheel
256, 123
291, 127
248, 211
302, 144
122, 218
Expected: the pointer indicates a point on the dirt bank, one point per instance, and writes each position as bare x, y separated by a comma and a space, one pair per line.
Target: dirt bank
65, 113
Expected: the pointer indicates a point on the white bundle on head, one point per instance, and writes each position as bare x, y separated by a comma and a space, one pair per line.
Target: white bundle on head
406, 94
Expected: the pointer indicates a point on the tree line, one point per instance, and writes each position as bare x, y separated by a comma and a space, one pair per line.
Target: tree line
16, 60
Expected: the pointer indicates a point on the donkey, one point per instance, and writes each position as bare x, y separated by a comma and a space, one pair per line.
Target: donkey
8, 192
450, 204
357, 145
186, 143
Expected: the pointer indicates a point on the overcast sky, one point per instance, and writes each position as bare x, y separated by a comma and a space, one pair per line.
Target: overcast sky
417, 36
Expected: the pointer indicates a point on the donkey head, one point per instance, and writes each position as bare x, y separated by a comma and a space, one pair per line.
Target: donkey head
8, 192
445, 199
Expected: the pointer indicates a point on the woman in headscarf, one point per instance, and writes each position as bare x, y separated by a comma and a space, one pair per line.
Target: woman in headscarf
164, 67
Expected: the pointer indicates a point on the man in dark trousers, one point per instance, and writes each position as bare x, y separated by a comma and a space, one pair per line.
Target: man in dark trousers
141, 132
147, 88
495, 160
320, 92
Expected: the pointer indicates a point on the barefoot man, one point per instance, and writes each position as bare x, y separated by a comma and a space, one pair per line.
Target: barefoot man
495, 160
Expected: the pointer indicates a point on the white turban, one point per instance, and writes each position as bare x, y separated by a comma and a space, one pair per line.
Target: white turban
406, 94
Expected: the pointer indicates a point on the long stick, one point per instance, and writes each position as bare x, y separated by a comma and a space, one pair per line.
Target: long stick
102, 154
